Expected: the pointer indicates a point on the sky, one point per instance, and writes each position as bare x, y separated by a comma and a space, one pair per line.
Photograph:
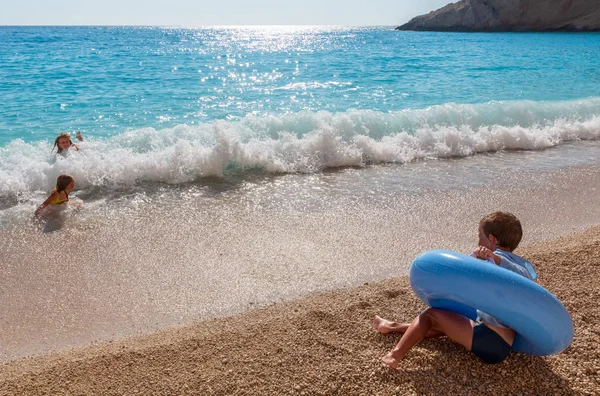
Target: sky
213, 12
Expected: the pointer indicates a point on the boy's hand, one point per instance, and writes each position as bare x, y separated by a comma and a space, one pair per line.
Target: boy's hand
484, 253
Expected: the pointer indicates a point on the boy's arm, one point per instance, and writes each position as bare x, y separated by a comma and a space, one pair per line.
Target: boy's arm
486, 254
490, 259
509, 265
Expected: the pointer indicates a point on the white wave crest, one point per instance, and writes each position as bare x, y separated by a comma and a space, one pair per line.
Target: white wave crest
302, 142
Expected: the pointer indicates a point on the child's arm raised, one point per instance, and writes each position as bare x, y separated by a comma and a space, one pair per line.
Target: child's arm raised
485, 254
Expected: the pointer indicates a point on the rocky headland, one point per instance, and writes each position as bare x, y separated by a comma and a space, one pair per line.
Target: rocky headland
511, 16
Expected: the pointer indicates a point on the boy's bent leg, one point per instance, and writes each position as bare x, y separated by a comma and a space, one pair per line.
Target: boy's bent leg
455, 326
385, 326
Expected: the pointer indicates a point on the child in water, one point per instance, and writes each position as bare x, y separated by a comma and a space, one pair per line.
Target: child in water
487, 337
60, 194
63, 142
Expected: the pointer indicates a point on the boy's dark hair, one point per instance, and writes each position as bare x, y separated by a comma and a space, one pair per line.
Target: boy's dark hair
505, 227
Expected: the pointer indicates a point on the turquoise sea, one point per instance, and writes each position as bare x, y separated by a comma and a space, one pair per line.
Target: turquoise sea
225, 168
179, 104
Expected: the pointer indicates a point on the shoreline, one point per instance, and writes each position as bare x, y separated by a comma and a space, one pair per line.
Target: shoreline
163, 266
323, 343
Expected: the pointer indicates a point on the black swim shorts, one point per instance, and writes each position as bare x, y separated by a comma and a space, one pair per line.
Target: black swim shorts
489, 345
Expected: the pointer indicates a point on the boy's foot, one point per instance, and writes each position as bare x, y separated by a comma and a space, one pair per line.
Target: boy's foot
390, 361
382, 325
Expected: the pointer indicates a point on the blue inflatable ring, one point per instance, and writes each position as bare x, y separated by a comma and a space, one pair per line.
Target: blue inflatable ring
459, 283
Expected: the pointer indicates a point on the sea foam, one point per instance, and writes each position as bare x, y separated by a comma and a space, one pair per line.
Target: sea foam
304, 142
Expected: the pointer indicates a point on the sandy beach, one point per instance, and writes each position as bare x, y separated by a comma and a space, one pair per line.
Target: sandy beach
323, 344
247, 198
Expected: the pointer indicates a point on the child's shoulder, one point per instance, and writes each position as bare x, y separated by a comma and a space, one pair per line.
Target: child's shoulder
518, 260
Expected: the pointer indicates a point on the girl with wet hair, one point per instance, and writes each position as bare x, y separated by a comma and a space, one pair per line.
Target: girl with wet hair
60, 194
63, 142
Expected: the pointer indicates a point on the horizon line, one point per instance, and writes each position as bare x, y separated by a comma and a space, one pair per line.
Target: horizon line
196, 26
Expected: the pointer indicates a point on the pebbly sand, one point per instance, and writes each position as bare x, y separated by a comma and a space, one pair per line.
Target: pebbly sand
323, 344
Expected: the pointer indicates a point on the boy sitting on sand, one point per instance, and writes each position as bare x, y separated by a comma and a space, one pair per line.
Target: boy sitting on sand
488, 338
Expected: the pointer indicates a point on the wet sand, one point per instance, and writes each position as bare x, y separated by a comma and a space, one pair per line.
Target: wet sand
323, 344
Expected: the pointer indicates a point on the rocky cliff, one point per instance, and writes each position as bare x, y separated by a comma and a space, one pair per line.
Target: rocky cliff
511, 15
